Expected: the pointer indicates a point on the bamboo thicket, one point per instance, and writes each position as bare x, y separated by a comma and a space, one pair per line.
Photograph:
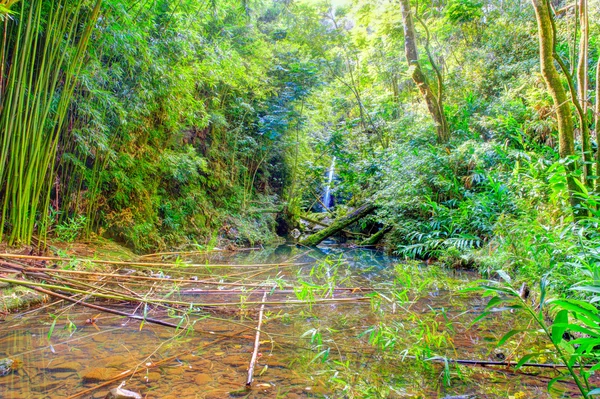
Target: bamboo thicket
43, 47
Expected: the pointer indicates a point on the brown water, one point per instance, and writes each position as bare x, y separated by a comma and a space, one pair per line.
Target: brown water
319, 351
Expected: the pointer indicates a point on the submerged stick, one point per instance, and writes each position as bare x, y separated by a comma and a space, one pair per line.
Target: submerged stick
256, 342
484, 363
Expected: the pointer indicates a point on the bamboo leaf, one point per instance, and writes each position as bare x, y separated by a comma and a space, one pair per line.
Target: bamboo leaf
493, 301
508, 291
578, 307
480, 317
525, 359
555, 380
560, 326
508, 335
587, 288
504, 276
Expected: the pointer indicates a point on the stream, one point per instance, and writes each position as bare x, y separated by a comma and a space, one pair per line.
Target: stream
354, 349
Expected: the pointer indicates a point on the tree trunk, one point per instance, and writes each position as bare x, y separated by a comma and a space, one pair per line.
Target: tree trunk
582, 90
433, 101
597, 124
597, 106
566, 145
338, 225
375, 238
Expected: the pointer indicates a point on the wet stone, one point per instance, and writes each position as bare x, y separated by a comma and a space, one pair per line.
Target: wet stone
63, 375
98, 374
46, 386
115, 361
151, 377
276, 364
100, 337
203, 379
64, 367
237, 361
120, 393
188, 358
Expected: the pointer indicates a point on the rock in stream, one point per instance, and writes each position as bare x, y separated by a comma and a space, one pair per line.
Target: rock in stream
120, 393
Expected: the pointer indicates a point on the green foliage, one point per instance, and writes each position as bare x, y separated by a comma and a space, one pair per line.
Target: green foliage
71, 229
569, 317
464, 11
176, 132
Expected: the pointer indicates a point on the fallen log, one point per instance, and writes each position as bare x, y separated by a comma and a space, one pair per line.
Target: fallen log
375, 238
316, 222
313, 221
338, 225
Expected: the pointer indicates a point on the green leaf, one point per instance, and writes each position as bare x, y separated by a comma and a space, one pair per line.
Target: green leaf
587, 288
559, 326
554, 380
577, 307
52, 326
594, 368
508, 291
504, 276
508, 335
493, 301
481, 316
525, 359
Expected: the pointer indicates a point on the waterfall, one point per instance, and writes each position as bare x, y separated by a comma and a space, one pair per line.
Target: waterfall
327, 200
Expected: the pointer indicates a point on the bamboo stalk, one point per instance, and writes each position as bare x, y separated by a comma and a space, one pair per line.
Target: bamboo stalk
102, 308
147, 278
181, 253
256, 342
156, 264
182, 303
37, 88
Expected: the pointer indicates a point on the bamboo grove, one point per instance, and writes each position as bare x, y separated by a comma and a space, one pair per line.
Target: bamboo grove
41, 56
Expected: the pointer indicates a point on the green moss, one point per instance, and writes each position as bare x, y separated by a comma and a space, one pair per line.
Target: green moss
13, 298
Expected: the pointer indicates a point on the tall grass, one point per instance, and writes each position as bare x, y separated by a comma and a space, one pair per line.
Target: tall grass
43, 48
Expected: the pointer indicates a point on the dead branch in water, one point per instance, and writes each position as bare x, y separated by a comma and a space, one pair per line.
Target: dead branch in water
102, 308
256, 342
484, 363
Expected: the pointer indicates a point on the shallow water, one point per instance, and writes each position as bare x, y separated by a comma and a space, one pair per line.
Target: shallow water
320, 350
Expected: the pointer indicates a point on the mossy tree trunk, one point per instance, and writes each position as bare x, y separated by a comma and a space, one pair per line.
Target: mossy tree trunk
433, 100
582, 90
566, 144
338, 225
375, 238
